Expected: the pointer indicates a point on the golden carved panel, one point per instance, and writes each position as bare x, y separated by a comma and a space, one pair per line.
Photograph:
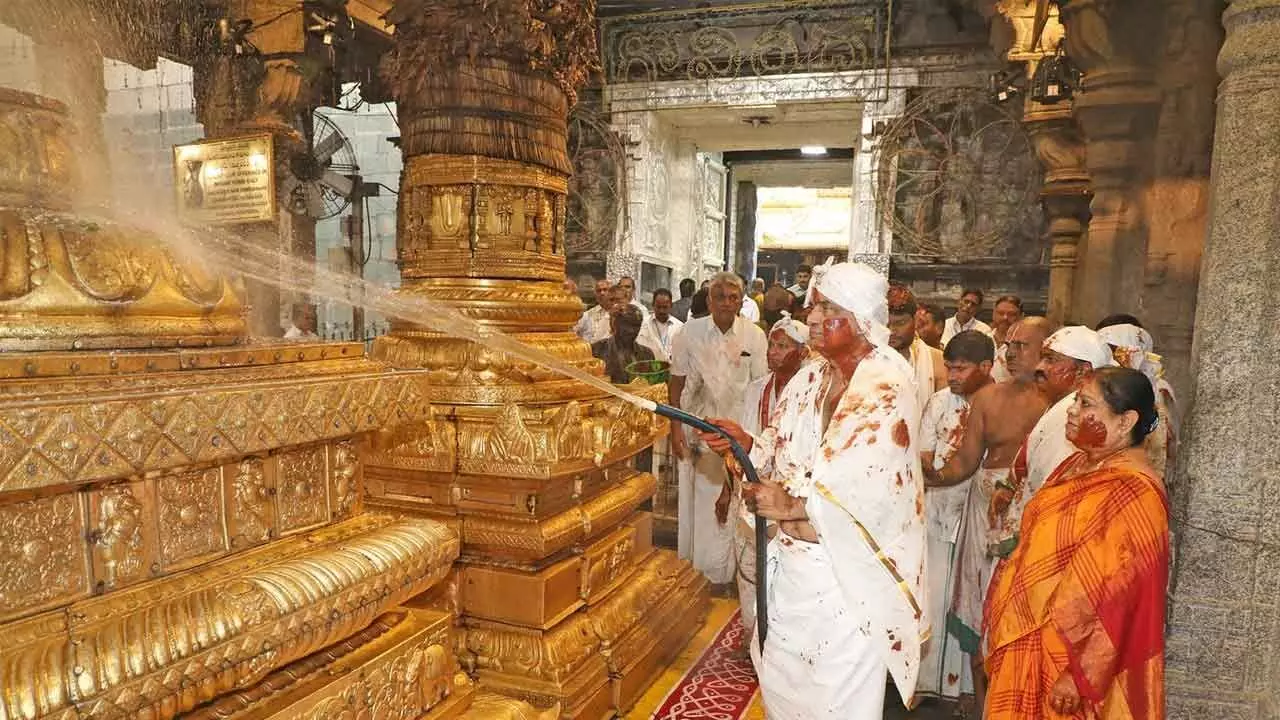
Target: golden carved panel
427, 445
471, 216
544, 442
43, 557
302, 489
524, 539
122, 535
606, 562
346, 479
192, 525
102, 429
250, 501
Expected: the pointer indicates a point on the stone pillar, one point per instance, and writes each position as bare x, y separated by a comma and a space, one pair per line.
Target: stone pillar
867, 221
1223, 644
744, 229
1117, 112
1176, 204
1065, 197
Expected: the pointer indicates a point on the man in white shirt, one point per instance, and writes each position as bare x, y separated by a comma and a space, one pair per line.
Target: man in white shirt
965, 317
594, 325
628, 286
801, 288
1006, 313
302, 325
713, 359
660, 330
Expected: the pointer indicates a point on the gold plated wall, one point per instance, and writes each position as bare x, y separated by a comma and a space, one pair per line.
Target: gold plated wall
563, 598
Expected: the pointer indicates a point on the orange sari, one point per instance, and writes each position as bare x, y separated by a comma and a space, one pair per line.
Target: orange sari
1084, 593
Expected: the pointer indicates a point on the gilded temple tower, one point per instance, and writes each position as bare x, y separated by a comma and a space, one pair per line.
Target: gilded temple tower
563, 598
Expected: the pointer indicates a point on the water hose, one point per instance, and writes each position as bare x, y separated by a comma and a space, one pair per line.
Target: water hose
749, 471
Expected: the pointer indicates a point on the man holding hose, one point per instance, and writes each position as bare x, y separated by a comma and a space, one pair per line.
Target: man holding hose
841, 476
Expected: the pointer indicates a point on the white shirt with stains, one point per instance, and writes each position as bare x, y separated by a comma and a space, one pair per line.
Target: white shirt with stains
865, 495
941, 430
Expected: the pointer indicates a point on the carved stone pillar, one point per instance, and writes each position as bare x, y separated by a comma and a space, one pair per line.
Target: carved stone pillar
1065, 197
564, 600
1223, 650
1117, 112
744, 249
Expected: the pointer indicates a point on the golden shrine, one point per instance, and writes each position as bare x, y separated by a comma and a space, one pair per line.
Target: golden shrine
196, 524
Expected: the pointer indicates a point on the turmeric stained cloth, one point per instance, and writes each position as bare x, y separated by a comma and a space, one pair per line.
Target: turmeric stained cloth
1083, 592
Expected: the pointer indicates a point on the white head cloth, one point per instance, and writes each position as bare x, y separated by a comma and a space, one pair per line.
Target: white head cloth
860, 290
1133, 347
1081, 343
794, 329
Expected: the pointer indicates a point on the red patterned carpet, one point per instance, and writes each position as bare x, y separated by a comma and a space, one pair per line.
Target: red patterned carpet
719, 686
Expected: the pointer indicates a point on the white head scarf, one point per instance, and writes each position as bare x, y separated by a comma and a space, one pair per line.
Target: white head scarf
860, 290
794, 329
1081, 343
1133, 347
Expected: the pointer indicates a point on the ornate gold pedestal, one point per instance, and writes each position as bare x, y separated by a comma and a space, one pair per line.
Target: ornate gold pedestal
183, 531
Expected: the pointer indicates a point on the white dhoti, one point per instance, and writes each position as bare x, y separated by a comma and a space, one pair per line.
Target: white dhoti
818, 661
700, 539
944, 668
974, 561
744, 545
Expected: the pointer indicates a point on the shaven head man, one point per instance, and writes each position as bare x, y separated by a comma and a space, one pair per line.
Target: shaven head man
1022, 347
840, 467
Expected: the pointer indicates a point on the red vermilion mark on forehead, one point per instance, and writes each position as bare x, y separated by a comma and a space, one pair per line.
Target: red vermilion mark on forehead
901, 435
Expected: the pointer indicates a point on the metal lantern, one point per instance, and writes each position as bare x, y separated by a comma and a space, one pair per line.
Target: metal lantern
1005, 85
1055, 80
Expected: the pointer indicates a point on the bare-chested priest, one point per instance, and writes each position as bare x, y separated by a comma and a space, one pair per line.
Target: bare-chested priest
841, 474
1000, 416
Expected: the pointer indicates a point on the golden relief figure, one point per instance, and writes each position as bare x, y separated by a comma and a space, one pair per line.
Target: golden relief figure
118, 536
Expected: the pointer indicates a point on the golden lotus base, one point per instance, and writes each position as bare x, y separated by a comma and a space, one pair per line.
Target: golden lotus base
598, 661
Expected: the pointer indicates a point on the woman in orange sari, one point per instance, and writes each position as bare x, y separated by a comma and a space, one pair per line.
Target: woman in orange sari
1074, 624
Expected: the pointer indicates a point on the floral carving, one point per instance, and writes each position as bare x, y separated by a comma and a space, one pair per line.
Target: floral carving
190, 515
301, 489
41, 551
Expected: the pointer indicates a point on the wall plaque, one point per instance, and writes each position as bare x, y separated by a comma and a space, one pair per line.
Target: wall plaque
225, 182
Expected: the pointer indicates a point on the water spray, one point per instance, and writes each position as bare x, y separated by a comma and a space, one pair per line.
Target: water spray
749, 472
281, 270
